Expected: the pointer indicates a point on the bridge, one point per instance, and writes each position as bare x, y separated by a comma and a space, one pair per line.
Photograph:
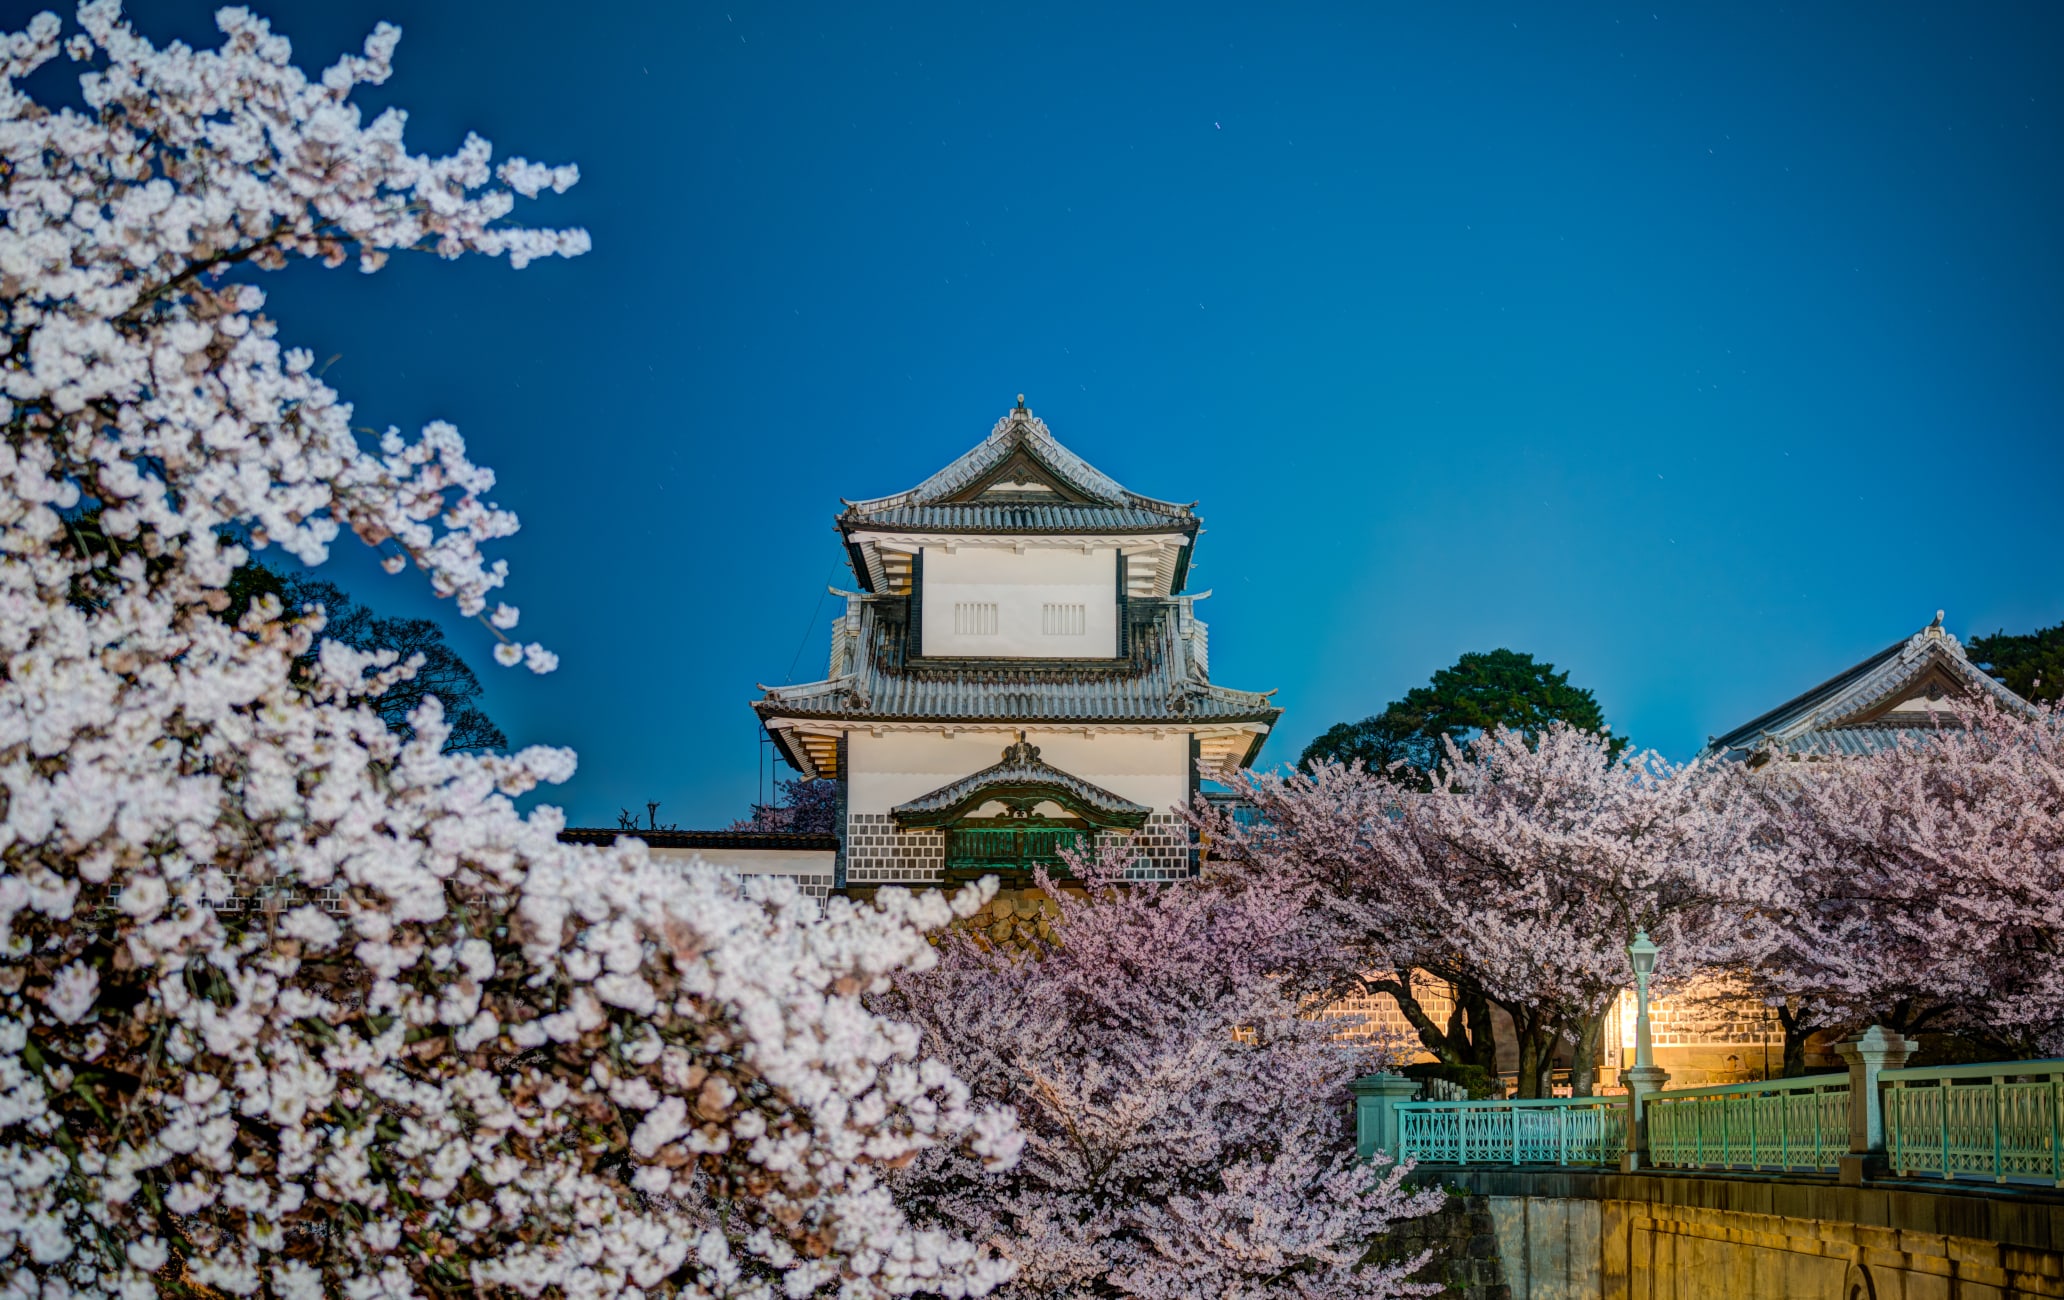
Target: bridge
1884, 1183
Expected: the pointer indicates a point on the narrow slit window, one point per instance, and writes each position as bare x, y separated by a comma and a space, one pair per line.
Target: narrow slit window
974, 618
1064, 620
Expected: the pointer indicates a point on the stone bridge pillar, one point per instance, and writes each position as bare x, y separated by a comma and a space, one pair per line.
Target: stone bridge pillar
1375, 1113
1643, 1082
1871, 1053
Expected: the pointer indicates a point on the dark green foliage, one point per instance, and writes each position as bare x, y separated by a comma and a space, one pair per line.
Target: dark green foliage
1392, 736
2030, 664
1479, 692
442, 673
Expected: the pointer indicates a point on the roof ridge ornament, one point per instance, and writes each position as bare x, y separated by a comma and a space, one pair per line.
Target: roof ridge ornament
1934, 633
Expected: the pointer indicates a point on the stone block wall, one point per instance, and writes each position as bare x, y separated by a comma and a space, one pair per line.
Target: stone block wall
880, 852
1570, 1234
1463, 1240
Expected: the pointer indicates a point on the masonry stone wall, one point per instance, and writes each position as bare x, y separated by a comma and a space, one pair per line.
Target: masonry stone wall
1462, 1246
879, 852
1578, 1234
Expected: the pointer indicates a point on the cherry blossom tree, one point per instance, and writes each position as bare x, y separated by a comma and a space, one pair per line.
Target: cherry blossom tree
1187, 1125
289, 1003
800, 807
1519, 870
1924, 881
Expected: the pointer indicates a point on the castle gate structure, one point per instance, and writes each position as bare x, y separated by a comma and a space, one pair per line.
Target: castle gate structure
1021, 669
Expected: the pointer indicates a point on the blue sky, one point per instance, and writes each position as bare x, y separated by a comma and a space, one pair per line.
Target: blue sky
1701, 352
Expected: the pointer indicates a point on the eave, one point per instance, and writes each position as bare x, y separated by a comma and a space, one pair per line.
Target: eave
790, 840
1157, 559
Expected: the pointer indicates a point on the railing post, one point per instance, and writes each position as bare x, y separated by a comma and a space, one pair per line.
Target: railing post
1643, 1081
1999, 1173
1869, 1054
1942, 1116
2057, 1130
1376, 1116
1784, 1130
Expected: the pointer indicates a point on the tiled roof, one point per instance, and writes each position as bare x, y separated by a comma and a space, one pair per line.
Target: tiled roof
1853, 740
1021, 768
1158, 680
927, 505
1020, 517
1845, 713
793, 840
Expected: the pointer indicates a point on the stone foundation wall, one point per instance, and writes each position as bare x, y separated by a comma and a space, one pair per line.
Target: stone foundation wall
1564, 1234
1464, 1243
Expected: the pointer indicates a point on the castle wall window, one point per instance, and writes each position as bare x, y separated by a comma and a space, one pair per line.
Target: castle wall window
1063, 620
974, 618
1036, 601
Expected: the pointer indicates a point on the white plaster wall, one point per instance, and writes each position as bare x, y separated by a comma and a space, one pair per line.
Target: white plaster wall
889, 769
1018, 585
780, 862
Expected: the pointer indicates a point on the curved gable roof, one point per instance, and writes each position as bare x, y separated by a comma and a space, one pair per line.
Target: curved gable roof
1022, 476
1857, 710
1021, 775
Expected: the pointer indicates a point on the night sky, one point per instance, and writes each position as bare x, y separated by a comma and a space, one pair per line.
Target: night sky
1700, 352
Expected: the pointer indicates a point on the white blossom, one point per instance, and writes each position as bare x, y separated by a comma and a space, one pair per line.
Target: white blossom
266, 971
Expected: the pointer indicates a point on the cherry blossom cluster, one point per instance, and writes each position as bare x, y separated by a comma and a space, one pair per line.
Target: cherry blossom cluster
288, 1005
1517, 873
1923, 884
1186, 1119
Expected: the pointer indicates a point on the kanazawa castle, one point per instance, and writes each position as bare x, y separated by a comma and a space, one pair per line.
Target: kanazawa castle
1020, 668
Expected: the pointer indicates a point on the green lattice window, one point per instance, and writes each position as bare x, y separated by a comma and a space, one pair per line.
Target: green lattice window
1016, 847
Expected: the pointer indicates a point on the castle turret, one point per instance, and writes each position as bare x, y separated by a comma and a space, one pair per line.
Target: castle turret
1018, 603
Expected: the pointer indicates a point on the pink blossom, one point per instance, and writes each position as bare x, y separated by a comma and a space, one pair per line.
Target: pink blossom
1185, 1124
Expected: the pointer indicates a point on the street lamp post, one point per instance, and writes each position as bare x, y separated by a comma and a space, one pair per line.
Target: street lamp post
1644, 1078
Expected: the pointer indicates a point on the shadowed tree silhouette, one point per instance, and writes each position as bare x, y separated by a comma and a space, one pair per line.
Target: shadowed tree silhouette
2030, 664
443, 673
1480, 692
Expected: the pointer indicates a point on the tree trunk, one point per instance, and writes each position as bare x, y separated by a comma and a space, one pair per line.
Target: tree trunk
1536, 1053
1797, 1029
1483, 1030
1469, 1038
1447, 1047
1584, 1068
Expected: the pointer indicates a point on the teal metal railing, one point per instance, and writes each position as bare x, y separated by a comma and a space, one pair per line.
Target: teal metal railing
1999, 1120
1799, 1124
1549, 1131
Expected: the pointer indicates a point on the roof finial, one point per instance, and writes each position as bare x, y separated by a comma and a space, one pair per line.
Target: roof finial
1021, 403
1938, 620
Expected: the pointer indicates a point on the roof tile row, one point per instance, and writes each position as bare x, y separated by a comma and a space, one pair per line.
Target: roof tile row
1156, 681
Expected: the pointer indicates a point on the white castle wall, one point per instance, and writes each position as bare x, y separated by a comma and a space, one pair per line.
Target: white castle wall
886, 770
1019, 586
895, 767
